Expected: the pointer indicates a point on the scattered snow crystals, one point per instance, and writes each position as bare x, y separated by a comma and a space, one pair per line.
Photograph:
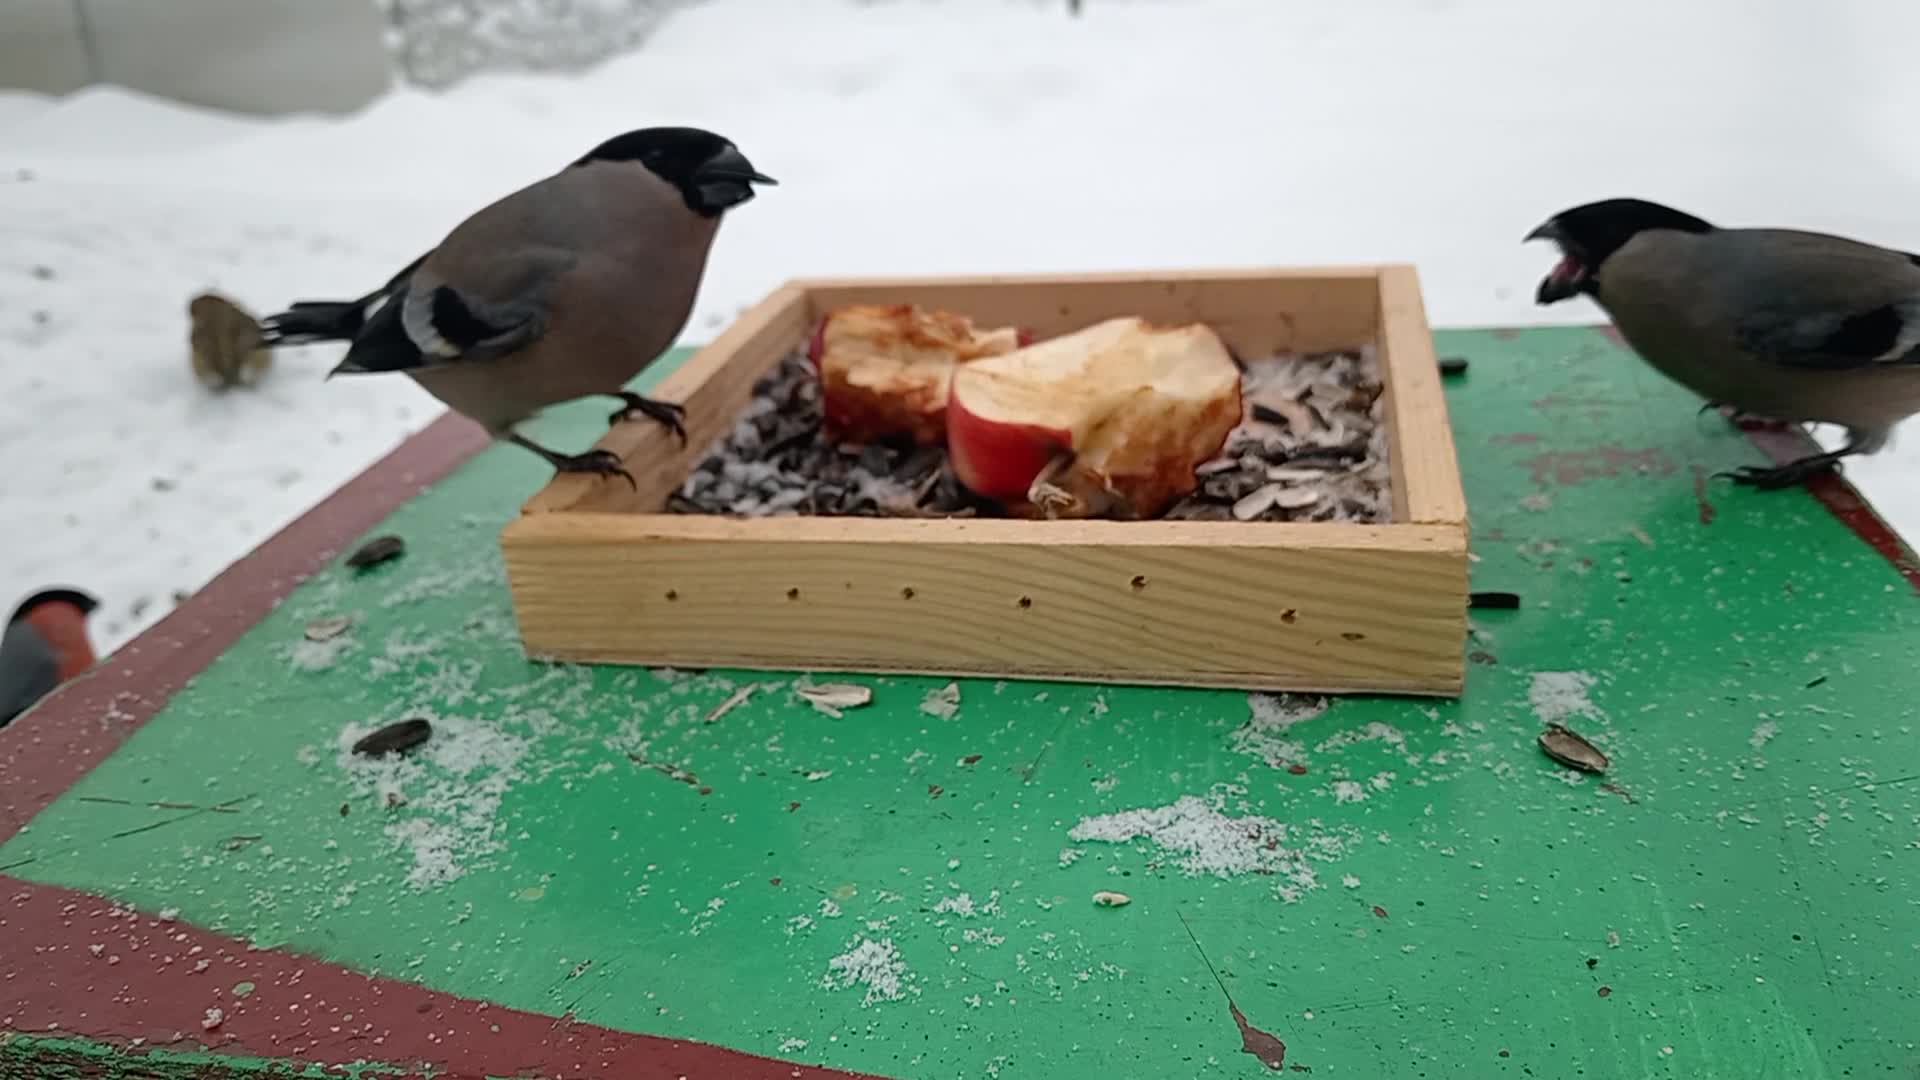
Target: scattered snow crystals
309, 655
1763, 734
1269, 716
1071, 855
169, 914
213, 1019
943, 702
1347, 791
829, 909
875, 965
1557, 696
1349, 881
788, 1046
1203, 840
450, 788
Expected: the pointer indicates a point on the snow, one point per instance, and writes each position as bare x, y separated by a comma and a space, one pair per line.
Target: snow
909, 138
1202, 839
1558, 696
873, 964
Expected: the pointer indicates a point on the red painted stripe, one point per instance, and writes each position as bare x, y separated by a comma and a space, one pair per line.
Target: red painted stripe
1842, 499
78, 965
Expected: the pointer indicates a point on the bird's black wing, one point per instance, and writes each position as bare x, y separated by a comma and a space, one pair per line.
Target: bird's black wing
426, 324
1805, 300
1833, 340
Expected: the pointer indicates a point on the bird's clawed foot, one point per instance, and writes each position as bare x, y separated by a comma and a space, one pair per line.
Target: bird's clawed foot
666, 412
596, 462
1745, 421
1780, 476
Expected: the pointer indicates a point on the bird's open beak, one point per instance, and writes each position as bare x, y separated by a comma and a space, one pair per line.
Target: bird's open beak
1569, 276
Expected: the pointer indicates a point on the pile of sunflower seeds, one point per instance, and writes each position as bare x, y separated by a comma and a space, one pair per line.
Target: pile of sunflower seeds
778, 461
1310, 447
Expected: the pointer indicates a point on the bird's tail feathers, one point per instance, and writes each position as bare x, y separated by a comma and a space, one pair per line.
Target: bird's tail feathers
314, 320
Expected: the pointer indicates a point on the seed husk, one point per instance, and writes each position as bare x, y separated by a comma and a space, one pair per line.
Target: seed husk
832, 698
328, 628
376, 551
1566, 747
394, 738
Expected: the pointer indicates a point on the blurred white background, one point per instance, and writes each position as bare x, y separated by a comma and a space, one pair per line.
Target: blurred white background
908, 136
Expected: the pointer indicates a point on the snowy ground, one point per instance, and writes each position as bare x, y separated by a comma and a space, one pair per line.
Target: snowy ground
917, 136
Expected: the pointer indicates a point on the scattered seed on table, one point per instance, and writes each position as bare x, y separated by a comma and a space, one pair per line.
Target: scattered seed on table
328, 628
1112, 899
1567, 747
1498, 601
394, 738
376, 551
1453, 365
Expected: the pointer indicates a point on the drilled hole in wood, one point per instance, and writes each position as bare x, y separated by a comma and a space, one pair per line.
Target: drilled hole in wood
1026, 601
1288, 615
1139, 582
906, 593
793, 594
672, 595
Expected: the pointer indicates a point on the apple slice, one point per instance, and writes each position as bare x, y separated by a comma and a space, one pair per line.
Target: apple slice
1109, 421
885, 369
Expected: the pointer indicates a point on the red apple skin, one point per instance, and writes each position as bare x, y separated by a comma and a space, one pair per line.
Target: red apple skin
996, 460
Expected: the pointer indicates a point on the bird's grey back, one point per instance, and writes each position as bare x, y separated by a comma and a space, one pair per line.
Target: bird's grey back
618, 210
29, 669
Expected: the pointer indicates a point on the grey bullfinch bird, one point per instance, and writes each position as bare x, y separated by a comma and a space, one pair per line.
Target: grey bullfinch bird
1778, 323
565, 289
44, 644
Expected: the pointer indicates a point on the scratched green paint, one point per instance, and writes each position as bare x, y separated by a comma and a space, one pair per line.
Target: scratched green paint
1763, 896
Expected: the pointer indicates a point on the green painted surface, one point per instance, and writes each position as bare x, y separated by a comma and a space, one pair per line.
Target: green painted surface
1747, 897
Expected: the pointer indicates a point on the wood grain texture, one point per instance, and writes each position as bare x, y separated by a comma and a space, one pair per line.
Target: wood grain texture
1425, 468
713, 385
1274, 606
1257, 312
598, 575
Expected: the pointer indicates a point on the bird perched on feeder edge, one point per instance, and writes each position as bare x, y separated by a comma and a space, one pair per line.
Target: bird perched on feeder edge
565, 289
1781, 323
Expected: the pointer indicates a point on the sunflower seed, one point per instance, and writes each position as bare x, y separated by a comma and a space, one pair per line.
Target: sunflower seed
1257, 503
1112, 899
1296, 498
376, 551
394, 738
1568, 748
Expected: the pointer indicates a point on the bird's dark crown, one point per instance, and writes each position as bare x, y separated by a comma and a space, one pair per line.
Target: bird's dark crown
708, 169
82, 600
1598, 229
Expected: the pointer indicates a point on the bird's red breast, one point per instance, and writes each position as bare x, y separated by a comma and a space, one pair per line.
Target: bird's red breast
64, 626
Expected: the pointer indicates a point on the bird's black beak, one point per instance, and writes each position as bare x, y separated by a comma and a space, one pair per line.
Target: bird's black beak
726, 180
1568, 278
